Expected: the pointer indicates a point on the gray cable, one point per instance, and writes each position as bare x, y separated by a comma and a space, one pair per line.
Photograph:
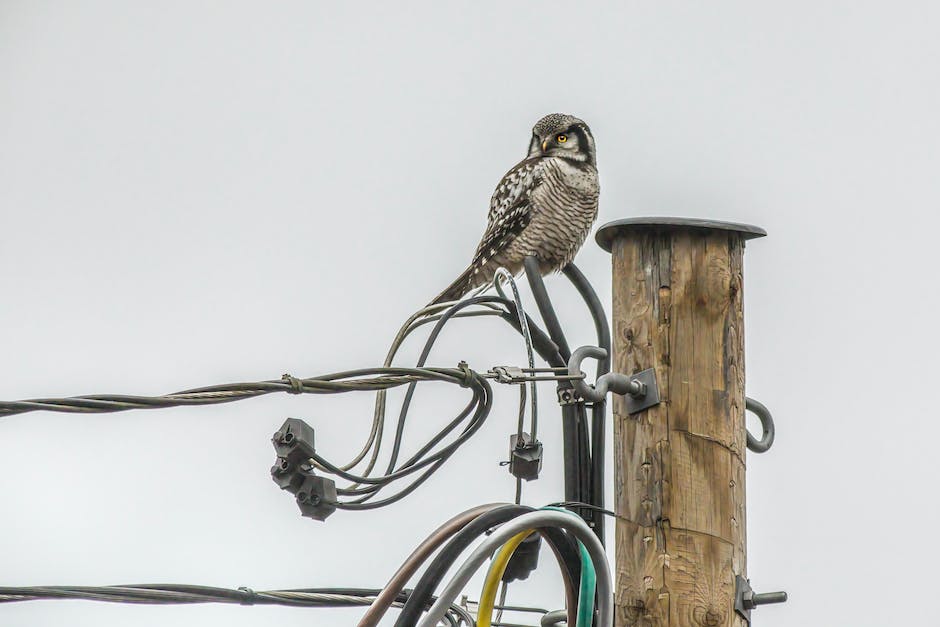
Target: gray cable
542, 518
557, 617
503, 273
417, 319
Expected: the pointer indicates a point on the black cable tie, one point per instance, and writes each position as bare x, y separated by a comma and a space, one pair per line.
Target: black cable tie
296, 385
250, 597
468, 375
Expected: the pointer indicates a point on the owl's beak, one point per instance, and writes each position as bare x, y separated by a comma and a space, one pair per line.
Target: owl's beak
544, 145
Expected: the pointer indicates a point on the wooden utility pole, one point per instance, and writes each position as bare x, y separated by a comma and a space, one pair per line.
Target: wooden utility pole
679, 466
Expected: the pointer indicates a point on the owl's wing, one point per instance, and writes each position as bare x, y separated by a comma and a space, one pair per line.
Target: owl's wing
510, 210
499, 234
516, 184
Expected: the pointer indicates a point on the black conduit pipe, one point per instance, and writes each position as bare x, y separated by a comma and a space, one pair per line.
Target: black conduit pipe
576, 453
598, 409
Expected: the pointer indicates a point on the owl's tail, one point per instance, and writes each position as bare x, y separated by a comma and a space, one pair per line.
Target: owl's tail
457, 289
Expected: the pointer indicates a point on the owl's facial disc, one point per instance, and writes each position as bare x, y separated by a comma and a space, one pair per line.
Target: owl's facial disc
562, 135
560, 142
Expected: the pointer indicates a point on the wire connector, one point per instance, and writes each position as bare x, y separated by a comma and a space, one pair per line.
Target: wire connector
524, 559
525, 456
292, 471
316, 497
294, 441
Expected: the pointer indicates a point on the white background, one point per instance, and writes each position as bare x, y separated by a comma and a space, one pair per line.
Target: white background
195, 193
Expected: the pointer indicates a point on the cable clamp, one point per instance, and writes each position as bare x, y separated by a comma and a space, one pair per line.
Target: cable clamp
509, 374
296, 385
517, 375
249, 598
568, 396
468, 374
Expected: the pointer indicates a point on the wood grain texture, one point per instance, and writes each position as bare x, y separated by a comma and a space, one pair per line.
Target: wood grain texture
679, 466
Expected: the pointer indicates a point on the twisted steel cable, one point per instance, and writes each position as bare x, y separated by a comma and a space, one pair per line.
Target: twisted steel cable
177, 594
365, 379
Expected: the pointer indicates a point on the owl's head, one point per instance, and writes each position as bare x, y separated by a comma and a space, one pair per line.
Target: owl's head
562, 135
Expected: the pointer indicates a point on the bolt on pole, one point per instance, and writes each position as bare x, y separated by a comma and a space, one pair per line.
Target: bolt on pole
679, 466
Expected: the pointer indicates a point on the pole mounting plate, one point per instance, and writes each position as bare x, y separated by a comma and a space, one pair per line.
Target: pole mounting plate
650, 395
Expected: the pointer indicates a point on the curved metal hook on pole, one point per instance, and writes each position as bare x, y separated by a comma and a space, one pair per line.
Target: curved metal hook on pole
641, 392
766, 423
610, 382
640, 389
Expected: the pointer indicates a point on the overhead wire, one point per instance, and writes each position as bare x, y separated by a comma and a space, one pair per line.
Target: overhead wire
363, 379
176, 594
365, 486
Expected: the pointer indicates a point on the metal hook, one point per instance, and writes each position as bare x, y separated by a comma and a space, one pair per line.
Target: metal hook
639, 389
767, 426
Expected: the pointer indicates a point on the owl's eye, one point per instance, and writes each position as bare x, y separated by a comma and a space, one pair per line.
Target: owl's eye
561, 139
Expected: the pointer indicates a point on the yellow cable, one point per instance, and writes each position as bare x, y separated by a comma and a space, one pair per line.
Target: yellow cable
494, 575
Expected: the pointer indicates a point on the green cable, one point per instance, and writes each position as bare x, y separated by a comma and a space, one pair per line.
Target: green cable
588, 581
586, 593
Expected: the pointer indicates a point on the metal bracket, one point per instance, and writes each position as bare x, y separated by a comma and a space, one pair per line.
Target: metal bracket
745, 599
640, 389
647, 397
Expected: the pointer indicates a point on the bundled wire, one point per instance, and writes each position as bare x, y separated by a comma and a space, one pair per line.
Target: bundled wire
585, 607
573, 525
368, 379
365, 379
584, 468
562, 545
575, 547
365, 484
176, 594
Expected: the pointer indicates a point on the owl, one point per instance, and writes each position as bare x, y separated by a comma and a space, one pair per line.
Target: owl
544, 206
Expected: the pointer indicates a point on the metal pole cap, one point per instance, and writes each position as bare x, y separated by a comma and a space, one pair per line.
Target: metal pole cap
606, 234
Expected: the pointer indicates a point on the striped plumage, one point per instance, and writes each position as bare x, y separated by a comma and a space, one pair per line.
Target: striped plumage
544, 206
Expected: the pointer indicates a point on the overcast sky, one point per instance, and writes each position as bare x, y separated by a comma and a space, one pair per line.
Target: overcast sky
195, 193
